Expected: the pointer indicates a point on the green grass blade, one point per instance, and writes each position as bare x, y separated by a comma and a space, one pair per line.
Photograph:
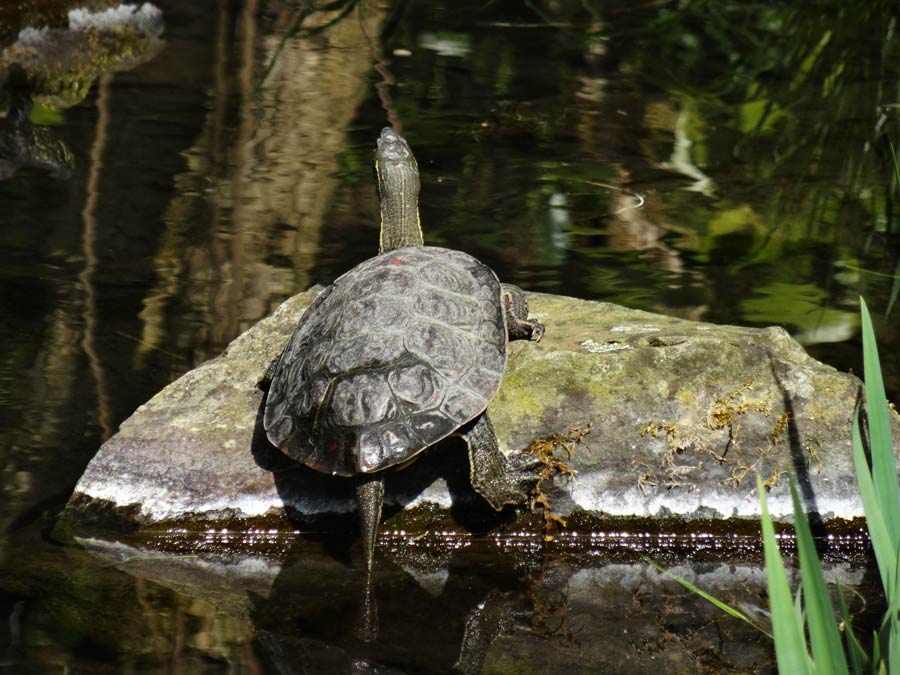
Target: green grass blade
884, 464
892, 621
725, 607
787, 630
859, 660
823, 631
894, 647
884, 546
798, 606
894, 600
877, 664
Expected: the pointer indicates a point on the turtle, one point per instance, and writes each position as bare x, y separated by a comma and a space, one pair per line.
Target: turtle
405, 349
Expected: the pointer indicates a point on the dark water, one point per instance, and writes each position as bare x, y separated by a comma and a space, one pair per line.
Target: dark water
723, 161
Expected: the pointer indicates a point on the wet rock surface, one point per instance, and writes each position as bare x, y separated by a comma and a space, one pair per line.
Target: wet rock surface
682, 414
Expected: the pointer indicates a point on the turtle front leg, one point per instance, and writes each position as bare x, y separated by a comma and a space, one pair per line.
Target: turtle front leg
515, 305
500, 480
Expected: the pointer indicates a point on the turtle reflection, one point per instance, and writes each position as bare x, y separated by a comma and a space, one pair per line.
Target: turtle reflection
438, 612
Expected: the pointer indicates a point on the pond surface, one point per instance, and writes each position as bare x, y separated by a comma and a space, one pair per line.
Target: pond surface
722, 161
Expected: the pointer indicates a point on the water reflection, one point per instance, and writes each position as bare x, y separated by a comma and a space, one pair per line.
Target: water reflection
317, 600
478, 606
242, 233
285, 602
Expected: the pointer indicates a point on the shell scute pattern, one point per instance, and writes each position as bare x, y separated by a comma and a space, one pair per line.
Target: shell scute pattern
396, 439
479, 380
362, 351
370, 447
486, 278
431, 424
456, 311
458, 403
404, 349
282, 426
448, 277
315, 355
442, 347
361, 400
307, 396
386, 312
418, 385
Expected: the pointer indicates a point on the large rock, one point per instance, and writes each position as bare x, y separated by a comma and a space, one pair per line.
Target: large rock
682, 414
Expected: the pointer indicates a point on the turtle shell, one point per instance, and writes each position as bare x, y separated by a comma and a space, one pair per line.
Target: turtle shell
395, 355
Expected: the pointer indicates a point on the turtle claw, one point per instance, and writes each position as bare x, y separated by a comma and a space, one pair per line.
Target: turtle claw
520, 481
526, 471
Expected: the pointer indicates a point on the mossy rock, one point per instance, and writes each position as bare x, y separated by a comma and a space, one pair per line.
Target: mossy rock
63, 64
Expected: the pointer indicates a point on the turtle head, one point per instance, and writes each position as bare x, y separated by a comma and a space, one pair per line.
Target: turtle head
397, 175
393, 148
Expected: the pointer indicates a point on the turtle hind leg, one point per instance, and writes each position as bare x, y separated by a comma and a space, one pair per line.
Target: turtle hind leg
515, 306
500, 480
369, 496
